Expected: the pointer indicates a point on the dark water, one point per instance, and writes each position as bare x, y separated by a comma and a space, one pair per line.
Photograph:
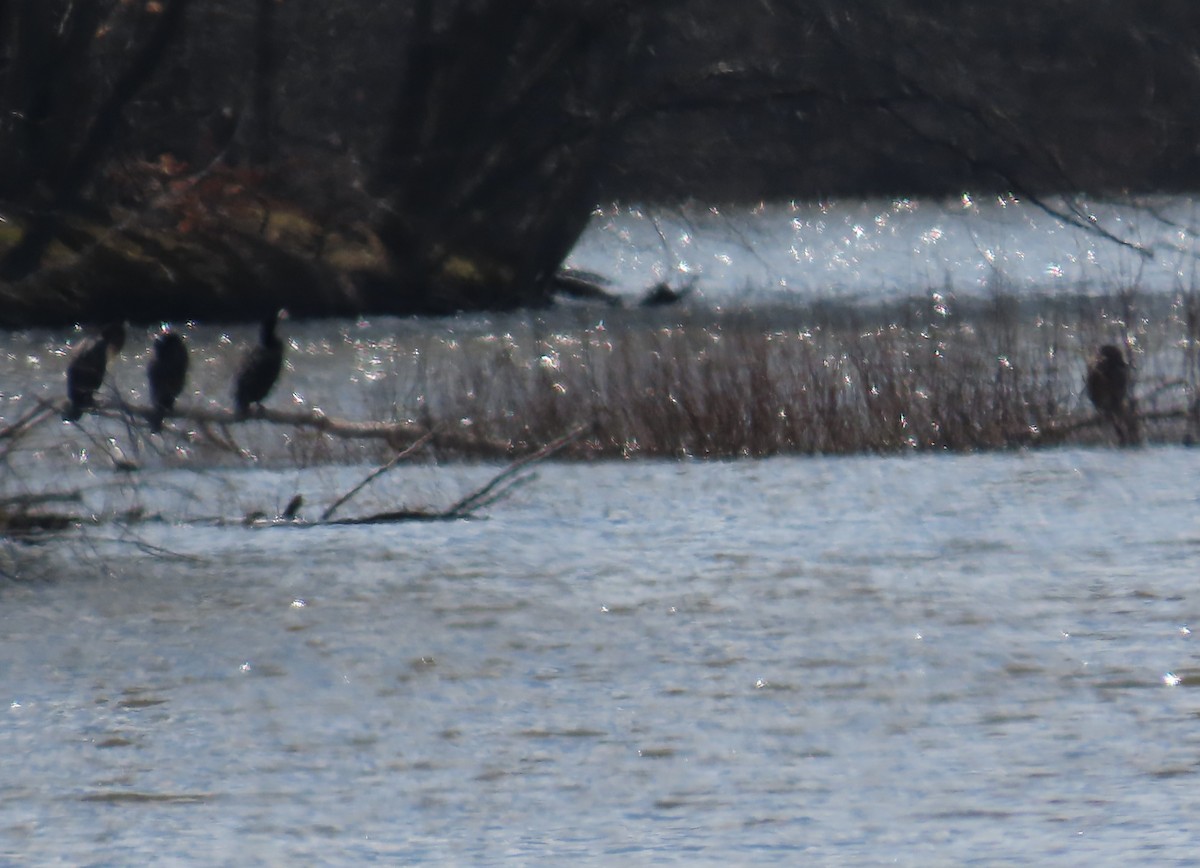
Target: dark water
856, 661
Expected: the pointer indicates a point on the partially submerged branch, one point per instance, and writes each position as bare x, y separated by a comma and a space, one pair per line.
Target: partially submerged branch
371, 477
489, 493
30, 419
494, 490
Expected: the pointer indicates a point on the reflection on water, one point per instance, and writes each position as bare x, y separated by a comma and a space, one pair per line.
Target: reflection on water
830, 660
873, 249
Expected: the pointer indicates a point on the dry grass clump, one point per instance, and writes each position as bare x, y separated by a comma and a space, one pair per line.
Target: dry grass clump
924, 375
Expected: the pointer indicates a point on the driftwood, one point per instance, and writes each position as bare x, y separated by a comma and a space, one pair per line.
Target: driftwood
400, 456
400, 435
585, 285
18, 519
19, 513
31, 419
497, 488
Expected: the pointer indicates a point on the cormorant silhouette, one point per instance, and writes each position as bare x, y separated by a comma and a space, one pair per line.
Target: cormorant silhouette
260, 367
1108, 388
167, 372
85, 372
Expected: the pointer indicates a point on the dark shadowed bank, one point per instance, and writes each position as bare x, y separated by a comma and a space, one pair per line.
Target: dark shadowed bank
188, 160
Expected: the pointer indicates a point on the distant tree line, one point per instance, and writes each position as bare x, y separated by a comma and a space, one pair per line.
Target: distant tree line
469, 140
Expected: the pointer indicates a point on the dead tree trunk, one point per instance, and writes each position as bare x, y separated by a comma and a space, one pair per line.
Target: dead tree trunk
500, 128
266, 62
44, 87
67, 184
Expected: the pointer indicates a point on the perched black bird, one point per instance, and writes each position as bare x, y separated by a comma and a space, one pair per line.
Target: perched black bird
85, 372
1108, 388
260, 367
1108, 380
167, 372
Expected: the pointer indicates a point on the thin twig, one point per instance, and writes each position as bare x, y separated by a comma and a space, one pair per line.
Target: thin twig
498, 486
500, 494
375, 474
464, 506
32, 417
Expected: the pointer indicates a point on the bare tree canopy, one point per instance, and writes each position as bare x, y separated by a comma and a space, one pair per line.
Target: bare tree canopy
169, 158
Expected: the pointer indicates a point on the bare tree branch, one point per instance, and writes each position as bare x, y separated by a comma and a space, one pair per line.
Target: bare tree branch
371, 477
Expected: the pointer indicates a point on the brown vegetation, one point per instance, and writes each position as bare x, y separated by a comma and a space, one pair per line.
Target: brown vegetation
824, 380
930, 374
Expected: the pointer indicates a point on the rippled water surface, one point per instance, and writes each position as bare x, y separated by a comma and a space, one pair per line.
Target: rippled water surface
914, 660
880, 248
862, 661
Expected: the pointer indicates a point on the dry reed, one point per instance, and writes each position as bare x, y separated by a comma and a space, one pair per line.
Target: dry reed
928, 374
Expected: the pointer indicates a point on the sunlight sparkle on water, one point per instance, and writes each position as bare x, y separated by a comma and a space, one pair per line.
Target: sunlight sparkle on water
1171, 679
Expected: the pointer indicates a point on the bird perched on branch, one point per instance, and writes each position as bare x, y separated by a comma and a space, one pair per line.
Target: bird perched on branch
260, 366
167, 372
1108, 388
89, 361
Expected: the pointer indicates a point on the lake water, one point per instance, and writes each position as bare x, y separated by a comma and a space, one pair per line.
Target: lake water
859, 661
895, 248
910, 660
